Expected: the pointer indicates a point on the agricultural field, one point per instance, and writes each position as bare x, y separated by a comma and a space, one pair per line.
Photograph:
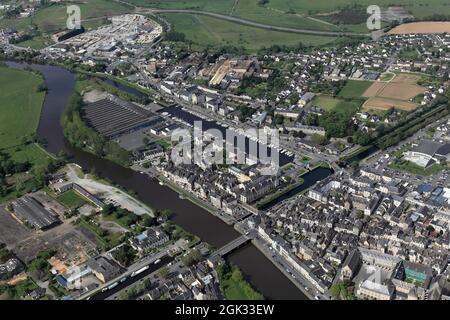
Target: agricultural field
383, 104
401, 91
21, 104
315, 15
354, 89
396, 93
205, 32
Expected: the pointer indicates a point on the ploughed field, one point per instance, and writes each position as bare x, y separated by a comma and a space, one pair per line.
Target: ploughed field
396, 93
422, 27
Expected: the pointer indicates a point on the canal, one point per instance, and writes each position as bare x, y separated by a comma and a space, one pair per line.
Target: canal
262, 274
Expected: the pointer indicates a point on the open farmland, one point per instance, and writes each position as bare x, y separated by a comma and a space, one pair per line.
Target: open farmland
401, 91
394, 93
354, 89
422, 27
406, 78
373, 90
298, 10
383, 104
204, 32
318, 15
21, 103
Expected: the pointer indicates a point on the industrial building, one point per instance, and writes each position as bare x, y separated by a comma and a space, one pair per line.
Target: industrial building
112, 118
31, 211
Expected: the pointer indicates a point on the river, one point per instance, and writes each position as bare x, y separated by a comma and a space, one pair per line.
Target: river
262, 274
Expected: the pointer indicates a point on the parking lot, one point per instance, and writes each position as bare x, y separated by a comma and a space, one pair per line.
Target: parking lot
11, 231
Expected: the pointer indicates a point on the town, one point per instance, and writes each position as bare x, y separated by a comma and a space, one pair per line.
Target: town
358, 206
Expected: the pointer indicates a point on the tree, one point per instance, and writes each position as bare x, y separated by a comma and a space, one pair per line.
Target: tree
362, 138
191, 258
299, 134
312, 119
164, 272
279, 119
164, 214
125, 255
319, 139
148, 221
108, 209
42, 87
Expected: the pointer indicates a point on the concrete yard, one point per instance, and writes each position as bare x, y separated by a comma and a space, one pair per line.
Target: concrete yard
108, 192
11, 231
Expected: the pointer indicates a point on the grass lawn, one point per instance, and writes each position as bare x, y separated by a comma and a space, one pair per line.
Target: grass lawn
104, 238
326, 102
20, 105
354, 89
36, 43
71, 199
28, 153
250, 10
21, 289
410, 167
388, 76
235, 287
205, 32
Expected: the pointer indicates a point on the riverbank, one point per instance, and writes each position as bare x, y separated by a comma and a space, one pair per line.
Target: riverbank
268, 255
195, 200
261, 273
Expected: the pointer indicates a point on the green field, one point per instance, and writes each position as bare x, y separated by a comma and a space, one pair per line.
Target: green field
296, 13
205, 31
326, 102
31, 153
20, 103
354, 89
71, 199
234, 285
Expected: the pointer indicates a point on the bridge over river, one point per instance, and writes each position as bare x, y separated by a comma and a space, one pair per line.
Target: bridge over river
233, 245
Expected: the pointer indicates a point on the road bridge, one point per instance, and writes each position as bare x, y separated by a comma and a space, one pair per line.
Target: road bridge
232, 245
